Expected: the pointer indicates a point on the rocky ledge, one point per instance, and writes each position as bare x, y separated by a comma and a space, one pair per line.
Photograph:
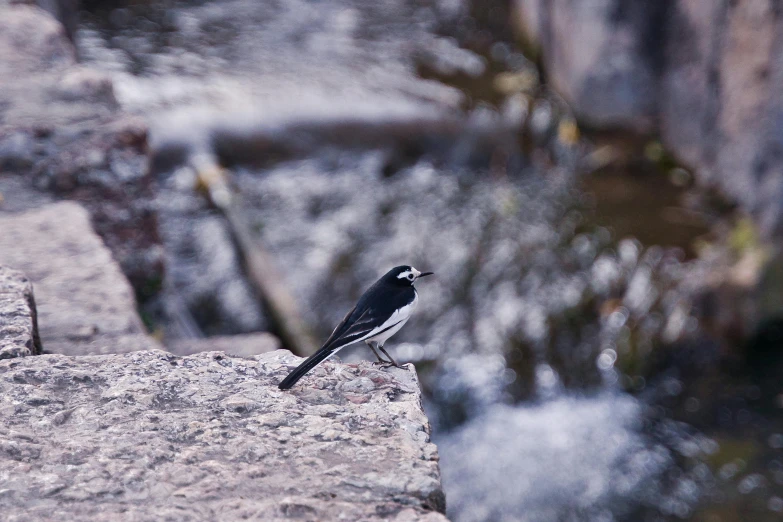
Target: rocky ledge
150, 435
18, 322
85, 304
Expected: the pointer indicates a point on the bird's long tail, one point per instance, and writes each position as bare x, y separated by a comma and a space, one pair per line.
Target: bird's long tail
300, 371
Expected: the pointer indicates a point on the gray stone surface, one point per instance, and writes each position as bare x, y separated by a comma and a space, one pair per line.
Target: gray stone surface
241, 345
706, 76
34, 51
18, 324
597, 55
64, 11
721, 101
85, 304
152, 436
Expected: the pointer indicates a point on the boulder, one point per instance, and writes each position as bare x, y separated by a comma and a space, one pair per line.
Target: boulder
721, 107
18, 322
64, 11
152, 436
85, 304
600, 55
705, 76
32, 42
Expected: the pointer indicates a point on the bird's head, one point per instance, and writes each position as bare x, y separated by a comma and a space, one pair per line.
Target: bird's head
403, 275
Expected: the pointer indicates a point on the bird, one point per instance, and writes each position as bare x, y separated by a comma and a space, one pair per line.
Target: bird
380, 313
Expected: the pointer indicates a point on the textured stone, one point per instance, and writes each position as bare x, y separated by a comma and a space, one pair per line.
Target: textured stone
85, 304
240, 345
152, 436
18, 324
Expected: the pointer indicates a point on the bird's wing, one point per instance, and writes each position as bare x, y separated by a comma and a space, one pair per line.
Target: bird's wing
359, 323
356, 325
377, 311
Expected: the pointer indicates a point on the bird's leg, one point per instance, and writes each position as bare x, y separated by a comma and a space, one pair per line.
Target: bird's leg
393, 362
373, 345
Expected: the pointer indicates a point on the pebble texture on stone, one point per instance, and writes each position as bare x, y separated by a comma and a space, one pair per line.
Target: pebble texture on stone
152, 436
85, 304
18, 324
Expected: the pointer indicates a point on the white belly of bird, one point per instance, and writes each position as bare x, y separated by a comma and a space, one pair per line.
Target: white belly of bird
398, 319
382, 337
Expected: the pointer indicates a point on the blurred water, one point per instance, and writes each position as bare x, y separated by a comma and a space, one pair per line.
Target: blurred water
268, 59
570, 458
540, 339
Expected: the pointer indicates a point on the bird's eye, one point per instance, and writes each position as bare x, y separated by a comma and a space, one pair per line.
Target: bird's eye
410, 276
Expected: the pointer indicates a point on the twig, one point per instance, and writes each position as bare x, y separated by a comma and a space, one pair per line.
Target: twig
259, 264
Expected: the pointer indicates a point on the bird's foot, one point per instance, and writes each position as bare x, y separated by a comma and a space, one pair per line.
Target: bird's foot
391, 359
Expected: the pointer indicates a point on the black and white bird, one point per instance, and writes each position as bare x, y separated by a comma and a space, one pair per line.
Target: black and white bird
380, 313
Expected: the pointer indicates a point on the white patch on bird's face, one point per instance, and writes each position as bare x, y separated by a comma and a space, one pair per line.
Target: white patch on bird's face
410, 275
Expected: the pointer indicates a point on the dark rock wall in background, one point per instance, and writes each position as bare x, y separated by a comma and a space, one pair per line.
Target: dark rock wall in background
705, 76
601, 55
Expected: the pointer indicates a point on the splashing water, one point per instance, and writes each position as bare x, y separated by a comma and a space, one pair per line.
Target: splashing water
569, 458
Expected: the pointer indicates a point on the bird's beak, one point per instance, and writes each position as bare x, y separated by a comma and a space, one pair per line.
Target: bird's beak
426, 274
